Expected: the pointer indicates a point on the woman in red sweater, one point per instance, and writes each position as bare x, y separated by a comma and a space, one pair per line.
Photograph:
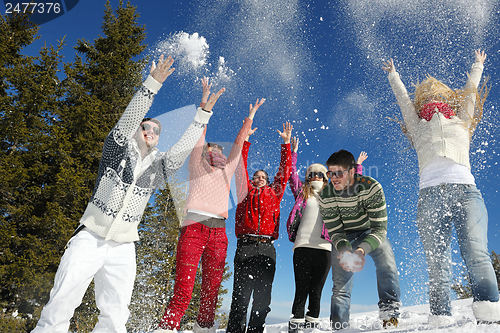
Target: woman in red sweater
257, 226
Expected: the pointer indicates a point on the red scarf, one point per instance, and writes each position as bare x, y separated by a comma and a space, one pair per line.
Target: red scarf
215, 159
428, 110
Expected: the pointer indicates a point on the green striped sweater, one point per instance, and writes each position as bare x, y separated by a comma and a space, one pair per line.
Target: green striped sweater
362, 206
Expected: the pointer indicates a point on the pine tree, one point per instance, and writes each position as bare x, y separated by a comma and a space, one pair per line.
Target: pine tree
52, 133
32, 153
100, 83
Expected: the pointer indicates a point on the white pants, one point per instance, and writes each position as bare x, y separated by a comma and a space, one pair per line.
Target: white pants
112, 266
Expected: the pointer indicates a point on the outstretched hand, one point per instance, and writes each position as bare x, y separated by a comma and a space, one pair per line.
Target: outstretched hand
213, 99
480, 56
295, 144
362, 157
163, 70
206, 91
254, 108
287, 132
389, 66
250, 132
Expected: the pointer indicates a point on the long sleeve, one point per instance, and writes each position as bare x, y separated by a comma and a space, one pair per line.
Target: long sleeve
359, 169
187, 144
294, 180
376, 209
136, 110
285, 169
410, 116
242, 179
363, 210
235, 154
472, 84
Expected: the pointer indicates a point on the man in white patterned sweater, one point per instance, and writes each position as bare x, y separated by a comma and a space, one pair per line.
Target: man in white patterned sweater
102, 248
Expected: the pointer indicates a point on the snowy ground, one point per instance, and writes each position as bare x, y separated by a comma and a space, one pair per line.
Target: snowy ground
413, 319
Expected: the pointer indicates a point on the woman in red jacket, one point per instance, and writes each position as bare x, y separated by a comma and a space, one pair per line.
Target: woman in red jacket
257, 227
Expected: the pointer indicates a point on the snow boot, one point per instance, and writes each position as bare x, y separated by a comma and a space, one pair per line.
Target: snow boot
486, 312
390, 323
312, 322
296, 325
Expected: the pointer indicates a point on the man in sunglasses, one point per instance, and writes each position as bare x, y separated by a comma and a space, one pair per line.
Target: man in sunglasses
102, 248
354, 211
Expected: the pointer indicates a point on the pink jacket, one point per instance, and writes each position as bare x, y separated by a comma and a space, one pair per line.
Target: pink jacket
209, 186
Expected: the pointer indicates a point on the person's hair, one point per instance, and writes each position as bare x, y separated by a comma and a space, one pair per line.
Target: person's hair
307, 189
343, 158
211, 144
154, 120
265, 173
456, 99
306, 186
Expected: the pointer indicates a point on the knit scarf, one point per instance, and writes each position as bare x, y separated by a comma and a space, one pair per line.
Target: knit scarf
428, 110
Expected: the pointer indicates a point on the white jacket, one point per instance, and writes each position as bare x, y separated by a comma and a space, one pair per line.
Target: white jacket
125, 181
440, 136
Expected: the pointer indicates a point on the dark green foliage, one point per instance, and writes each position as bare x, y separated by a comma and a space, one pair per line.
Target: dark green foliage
51, 136
462, 286
54, 118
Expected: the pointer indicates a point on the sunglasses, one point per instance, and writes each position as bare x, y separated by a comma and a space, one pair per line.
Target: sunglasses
147, 127
316, 174
336, 174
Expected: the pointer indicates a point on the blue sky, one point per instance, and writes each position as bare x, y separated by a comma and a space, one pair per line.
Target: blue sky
318, 64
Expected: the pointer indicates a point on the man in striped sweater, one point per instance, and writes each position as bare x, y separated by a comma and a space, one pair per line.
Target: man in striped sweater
354, 212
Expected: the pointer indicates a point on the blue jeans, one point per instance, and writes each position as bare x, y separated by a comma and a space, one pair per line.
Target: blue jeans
387, 283
439, 208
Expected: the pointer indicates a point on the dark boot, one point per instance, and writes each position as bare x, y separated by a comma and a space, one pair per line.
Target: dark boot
296, 325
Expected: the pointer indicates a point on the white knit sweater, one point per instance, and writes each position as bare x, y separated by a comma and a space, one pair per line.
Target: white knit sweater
125, 181
440, 136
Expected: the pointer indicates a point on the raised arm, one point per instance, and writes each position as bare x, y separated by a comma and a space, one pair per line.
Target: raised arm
141, 102
193, 137
294, 180
285, 169
361, 158
206, 91
472, 84
410, 115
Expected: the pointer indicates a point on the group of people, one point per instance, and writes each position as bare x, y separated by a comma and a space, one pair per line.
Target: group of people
339, 217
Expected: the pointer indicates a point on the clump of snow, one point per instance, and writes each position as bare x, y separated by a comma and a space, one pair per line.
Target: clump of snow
187, 50
350, 261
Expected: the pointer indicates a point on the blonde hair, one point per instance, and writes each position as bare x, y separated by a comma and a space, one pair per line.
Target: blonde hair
307, 189
433, 88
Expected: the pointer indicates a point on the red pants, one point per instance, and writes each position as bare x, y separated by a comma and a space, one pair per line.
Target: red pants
210, 244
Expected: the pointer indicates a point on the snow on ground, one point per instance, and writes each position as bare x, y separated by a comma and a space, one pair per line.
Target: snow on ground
413, 319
